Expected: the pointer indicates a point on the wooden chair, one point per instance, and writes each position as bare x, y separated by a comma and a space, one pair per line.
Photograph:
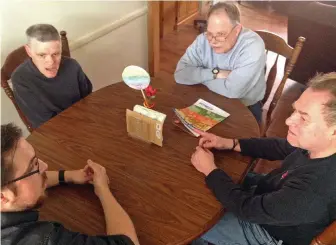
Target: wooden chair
13, 60
327, 237
278, 45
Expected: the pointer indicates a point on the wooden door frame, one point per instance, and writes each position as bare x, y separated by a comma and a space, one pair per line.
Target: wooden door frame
153, 33
154, 15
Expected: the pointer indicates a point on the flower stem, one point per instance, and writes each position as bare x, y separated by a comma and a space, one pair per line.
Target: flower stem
144, 96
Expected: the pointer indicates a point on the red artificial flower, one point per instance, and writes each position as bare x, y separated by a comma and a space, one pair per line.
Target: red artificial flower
150, 91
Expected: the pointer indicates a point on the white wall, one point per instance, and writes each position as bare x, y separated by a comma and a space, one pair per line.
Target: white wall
104, 36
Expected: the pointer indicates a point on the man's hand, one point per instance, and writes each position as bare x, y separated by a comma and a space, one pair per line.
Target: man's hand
80, 176
222, 74
100, 180
203, 160
209, 141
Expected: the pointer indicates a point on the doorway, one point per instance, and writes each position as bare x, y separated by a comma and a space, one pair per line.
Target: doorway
165, 17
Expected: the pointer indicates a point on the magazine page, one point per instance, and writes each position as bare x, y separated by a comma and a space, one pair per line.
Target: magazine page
201, 115
210, 107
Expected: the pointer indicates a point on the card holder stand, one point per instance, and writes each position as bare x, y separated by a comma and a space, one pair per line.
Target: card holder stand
144, 128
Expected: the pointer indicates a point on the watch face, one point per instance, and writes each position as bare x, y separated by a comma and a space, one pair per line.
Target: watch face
215, 71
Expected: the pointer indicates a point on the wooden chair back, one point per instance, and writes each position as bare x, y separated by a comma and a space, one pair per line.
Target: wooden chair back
327, 237
13, 60
278, 45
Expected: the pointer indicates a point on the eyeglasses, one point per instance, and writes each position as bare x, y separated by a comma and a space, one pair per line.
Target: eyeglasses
25, 175
219, 38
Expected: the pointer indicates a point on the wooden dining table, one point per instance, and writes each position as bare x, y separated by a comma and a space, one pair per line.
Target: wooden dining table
165, 196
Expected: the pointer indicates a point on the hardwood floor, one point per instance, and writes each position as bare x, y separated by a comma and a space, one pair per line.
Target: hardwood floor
174, 44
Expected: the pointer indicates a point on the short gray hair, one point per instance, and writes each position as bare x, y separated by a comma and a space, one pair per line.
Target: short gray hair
230, 8
42, 33
326, 82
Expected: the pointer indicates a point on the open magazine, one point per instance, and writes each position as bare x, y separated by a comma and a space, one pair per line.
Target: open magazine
201, 115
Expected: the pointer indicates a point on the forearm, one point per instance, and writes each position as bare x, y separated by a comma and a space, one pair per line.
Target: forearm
117, 220
227, 87
266, 148
190, 75
53, 178
239, 81
228, 144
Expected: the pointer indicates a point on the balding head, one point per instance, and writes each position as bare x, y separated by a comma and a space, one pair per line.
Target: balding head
223, 27
228, 9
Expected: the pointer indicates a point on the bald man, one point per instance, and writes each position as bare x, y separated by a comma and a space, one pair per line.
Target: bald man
227, 58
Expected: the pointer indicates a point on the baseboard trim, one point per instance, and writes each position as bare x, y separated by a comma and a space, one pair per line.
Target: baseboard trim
106, 29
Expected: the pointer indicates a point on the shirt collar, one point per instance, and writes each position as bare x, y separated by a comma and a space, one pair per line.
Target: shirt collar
9, 219
37, 71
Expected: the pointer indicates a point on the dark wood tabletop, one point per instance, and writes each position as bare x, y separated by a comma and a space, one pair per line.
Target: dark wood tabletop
165, 196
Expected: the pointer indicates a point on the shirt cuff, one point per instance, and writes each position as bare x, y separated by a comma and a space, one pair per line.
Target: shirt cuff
216, 177
206, 74
244, 146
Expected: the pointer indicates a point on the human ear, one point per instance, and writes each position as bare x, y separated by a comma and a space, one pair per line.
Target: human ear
7, 198
28, 50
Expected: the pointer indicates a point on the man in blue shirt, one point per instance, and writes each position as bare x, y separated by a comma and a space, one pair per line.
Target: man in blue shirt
227, 58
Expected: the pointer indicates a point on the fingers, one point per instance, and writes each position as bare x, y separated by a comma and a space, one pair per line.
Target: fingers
205, 141
199, 149
202, 141
208, 151
208, 144
88, 170
202, 133
193, 158
94, 166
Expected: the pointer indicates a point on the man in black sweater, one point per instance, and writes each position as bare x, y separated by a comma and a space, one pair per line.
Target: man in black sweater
24, 179
47, 83
294, 203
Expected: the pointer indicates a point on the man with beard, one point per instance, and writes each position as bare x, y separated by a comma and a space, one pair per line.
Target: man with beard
47, 83
24, 179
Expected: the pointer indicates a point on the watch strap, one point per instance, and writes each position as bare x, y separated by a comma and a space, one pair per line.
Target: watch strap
61, 179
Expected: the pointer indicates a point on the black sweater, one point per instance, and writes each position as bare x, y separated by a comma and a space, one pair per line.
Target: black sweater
41, 98
293, 203
23, 228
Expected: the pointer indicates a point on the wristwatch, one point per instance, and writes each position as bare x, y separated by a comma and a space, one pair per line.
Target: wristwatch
215, 71
61, 180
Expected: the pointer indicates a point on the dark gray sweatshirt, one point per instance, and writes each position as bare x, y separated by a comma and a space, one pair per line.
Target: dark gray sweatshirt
41, 98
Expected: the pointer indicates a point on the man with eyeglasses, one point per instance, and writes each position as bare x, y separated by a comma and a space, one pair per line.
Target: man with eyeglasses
227, 58
24, 179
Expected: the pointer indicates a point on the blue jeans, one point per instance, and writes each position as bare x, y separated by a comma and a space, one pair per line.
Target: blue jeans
232, 231
256, 110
